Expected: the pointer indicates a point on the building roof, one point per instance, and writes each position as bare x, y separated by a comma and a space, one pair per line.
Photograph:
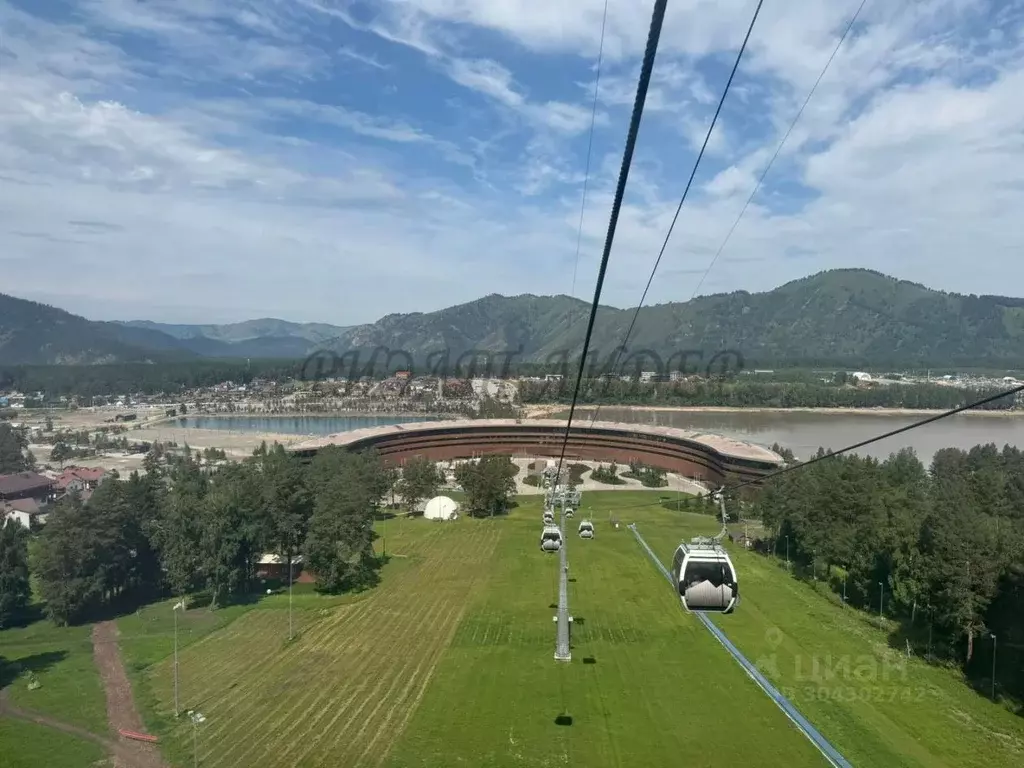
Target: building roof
28, 506
85, 474
278, 560
724, 445
22, 482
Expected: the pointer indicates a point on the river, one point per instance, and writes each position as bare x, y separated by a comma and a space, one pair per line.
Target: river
800, 431
804, 432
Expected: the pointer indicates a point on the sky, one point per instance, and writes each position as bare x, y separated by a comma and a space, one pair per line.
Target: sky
339, 160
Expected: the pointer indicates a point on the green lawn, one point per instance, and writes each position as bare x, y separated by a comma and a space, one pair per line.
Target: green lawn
352, 678
449, 662
61, 660
836, 665
28, 745
647, 686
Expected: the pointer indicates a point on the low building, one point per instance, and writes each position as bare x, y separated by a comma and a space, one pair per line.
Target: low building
26, 485
276, 567
26, 512
80, 479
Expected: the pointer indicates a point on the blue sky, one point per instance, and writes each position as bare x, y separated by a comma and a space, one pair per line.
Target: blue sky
336, 161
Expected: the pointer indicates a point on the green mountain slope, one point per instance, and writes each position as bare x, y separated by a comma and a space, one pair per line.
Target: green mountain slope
33, 333
849, 317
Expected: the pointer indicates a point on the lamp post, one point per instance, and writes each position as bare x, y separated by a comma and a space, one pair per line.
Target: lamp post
787, 551
814, 563
180, 605
994, 641
291, 570
881, 597
197, 718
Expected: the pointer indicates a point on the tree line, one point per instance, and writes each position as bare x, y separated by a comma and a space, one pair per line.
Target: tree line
184, 527
939, 549
760, 394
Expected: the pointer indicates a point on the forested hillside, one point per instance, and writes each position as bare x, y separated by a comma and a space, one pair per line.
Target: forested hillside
851, 318
941, 551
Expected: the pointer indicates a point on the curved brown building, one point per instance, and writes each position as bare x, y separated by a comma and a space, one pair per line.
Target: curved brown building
712, 457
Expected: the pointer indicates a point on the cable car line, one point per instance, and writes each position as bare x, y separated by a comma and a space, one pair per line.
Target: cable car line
785, 138
686, 192
590, 147
862, 443
657, 20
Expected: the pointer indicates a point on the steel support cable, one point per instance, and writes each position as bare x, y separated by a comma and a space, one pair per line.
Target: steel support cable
590, 148
937, 417
785, 138
657, 20
686, 191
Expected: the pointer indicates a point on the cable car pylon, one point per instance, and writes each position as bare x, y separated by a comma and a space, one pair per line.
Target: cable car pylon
563, 619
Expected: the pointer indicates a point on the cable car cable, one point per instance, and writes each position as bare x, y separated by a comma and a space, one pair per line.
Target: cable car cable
862, 443
686, 192
785, 138
657, 20
590, 147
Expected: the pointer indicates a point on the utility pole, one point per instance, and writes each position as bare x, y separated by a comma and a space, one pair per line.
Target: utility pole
180, 605
993, 666
291, 570
197, 718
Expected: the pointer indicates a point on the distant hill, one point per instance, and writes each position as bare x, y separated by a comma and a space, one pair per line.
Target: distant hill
847, 317
32, 333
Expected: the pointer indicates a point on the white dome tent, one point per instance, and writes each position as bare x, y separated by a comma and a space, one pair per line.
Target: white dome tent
441, 508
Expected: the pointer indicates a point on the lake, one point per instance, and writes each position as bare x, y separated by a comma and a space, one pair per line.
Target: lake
801, 432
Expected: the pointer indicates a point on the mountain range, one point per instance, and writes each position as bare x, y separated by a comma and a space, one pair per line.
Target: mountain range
850, 317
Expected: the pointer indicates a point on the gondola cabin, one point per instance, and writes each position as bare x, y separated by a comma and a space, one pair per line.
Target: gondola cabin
551, 539
586, 530
705, 577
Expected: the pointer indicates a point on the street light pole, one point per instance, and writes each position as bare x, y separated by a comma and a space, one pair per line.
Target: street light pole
197, 718
994, 641
881, 597
178, 605
291, 570
787, 551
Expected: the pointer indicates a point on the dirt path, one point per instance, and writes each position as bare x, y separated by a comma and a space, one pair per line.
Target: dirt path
121, 711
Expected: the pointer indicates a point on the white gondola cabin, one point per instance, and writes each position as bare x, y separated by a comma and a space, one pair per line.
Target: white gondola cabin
549, 517
586, 529
705, 577
568, 512
551, 539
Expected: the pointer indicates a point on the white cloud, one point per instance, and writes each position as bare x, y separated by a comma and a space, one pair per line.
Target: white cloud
408, 156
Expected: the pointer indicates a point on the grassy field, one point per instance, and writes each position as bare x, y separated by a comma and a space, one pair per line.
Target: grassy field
27, 745
449, 662
352, 678
60, 659
836, 665
646, 685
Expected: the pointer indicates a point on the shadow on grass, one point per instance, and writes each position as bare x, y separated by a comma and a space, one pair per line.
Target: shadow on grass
39, 662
